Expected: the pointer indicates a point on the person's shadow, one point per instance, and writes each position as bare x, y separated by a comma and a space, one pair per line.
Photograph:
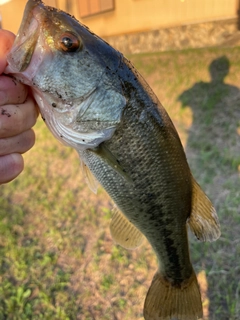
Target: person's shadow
213, 152
215, 126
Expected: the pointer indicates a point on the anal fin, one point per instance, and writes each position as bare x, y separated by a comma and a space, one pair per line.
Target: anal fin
203, 220
124, 232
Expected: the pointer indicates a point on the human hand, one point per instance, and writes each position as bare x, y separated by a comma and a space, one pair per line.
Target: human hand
18, 115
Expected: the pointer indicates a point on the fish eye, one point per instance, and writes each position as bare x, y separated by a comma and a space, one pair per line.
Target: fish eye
68, 42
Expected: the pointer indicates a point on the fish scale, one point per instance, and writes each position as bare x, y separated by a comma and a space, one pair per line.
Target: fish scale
150, 176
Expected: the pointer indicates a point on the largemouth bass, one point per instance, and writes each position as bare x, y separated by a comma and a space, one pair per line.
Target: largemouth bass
94, 100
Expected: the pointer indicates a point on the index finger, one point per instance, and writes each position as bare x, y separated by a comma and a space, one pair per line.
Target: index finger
11, 91
15, 119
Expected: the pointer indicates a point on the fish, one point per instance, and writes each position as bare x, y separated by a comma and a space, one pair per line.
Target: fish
94, 100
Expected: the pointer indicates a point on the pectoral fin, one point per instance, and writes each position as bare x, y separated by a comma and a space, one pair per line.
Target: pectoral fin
103, 152
124, 232
203, 220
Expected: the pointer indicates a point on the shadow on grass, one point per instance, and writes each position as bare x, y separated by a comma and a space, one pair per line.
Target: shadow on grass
213, 152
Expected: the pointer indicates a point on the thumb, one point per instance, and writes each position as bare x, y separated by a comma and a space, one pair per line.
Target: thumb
6, 42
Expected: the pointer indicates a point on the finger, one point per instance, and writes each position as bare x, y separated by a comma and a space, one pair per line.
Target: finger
17, 144
15, 119
12, 91
10, 167
7, 39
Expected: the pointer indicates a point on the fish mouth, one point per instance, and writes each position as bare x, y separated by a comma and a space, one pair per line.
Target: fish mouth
20, 56
28, 41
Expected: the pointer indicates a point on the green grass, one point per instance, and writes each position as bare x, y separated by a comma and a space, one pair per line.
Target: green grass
57, 258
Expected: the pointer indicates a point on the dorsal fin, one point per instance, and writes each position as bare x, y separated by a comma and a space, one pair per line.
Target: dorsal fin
124, 232
203, 220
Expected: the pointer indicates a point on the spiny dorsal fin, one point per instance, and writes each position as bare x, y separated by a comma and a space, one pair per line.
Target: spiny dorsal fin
124, 232
89, 178
203, 220
164, 301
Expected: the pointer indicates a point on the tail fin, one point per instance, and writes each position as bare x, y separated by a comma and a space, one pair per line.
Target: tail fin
165, 301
